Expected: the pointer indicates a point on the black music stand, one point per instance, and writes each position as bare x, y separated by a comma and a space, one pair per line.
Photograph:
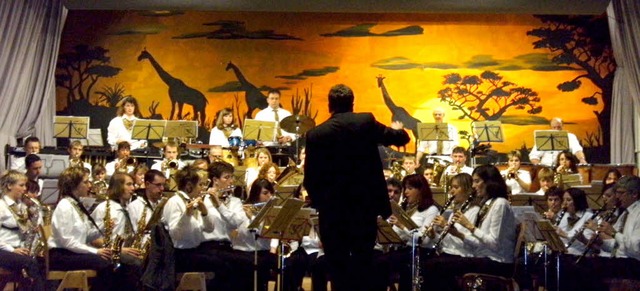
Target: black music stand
485, 131
556, 245
438, 131
259, 130
69, 127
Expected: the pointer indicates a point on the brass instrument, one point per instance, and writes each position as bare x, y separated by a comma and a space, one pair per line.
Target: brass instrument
445, 181
116, 252
583, 227
33, 242
447, 228
139, 235
108, 225
396, 170
170, 164
608, 217
558, 177
128, 162
75, 162
99, 189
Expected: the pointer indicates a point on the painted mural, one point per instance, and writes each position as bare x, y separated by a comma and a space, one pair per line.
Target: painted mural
520, 69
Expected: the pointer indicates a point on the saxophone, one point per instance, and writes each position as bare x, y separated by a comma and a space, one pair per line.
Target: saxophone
108, 225
116, 251
139, 235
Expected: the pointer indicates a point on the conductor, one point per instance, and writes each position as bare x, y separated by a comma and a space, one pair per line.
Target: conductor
343, 176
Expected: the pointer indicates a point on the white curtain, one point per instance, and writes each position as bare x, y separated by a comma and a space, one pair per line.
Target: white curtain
624, 26
30, 31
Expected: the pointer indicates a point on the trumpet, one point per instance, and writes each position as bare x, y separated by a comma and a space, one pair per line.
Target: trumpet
128, 161
170, 164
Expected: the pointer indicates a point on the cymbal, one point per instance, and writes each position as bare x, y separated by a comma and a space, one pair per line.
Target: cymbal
302, 122
158, 144
198, 146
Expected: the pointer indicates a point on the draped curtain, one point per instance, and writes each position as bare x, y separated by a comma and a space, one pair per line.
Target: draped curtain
30, 31
624, 26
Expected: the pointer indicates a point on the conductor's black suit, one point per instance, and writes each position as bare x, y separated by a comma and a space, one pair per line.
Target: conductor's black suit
343, 176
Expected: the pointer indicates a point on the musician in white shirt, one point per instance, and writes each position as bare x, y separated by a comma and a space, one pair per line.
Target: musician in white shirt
458, 164
171, 162
270, 113
518, 180
122, 158
225, 127
144, 205
492, 236
547, 158
31, 146
75, 155
576, 214
74, 232
120, 128
430, 147
16, 225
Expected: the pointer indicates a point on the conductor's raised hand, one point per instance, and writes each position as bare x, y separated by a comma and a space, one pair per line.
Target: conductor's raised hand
397, 125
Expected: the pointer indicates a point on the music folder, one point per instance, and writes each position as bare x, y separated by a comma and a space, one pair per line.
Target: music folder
386, 235
549, 233
402, 216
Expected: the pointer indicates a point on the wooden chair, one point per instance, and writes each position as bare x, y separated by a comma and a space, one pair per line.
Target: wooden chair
8, 276
192, 281
76, 279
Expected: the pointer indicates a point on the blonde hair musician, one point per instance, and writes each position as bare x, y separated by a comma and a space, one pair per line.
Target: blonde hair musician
263, 156
75, 155
224, 129
15, 224
518, 180
120, 127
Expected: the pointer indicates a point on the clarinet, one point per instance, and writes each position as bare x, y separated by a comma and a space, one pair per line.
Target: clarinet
560, 216
448, 227
442, 210
608, 217
583, 227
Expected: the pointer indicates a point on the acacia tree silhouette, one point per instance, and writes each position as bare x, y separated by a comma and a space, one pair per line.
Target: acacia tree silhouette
582, 42
486, 97
80, 70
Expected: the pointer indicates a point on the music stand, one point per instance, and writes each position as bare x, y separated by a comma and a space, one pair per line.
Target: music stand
148, 129
386, 234
402, 216
488, 131
259, 130
554, 242
433, 131
181, 129
70, 127
49, 194
551, 140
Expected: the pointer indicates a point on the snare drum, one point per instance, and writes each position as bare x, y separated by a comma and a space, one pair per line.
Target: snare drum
235, 141
250, 142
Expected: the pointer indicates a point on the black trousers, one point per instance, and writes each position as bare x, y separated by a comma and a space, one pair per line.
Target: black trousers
17, 263
440, 272
205, 259
297, 266
65, 260
243, 267
348, 246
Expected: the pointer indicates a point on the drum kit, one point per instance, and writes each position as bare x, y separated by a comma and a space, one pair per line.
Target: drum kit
239, 149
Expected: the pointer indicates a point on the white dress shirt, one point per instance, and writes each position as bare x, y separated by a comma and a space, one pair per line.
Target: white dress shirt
10, 233
430, 147
185, 230
117, 216
226, 218
246, 240
218, 137
495, 238
136, 208
268, 114
512, 184
455, 246
548, 158
577, 247
117, 131
627, 238
71, 229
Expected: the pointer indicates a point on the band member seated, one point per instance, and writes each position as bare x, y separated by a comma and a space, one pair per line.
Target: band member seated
269, 171
566, 163
113, 219
171, 162
121, 126
141, 209
546, 179
274, 112
409, 165
187, 218
458, 164
576, 214
307, 257
419, 205
394, 187
225, 128
554, 197
440, 148
75, 155
18, 232
123, 162
263, 156
74, 230
518, 180
547, 158
492, 236
34, 165
463, 201
99, 181
245, 243
31, 147
138, 174
610, 178
201, 164
429, 174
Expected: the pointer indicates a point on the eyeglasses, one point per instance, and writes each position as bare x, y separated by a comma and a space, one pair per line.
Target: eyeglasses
157, 184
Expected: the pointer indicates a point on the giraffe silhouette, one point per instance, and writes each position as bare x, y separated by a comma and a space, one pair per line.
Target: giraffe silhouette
398, 113
179, 92
252, 95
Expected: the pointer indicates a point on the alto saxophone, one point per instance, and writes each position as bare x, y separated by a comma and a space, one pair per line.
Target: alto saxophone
108, 225
139, 235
